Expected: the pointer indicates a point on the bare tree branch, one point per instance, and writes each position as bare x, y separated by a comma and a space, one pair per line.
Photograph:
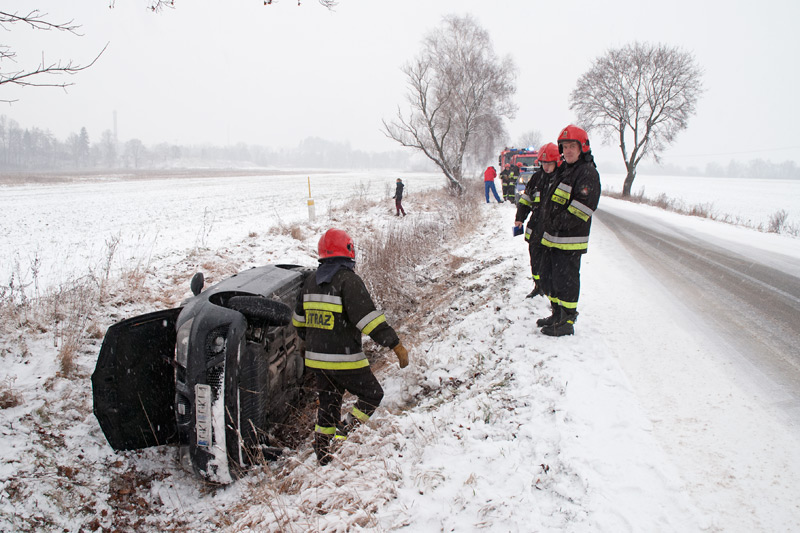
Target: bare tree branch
159, 5
643, 91
41, 75
24, 78
37, 20
153, 5
458, 93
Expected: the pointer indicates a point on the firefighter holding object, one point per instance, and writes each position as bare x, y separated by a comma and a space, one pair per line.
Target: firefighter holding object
567, 209
333, 311
530, 203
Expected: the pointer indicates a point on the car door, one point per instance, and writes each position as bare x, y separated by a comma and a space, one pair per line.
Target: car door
134, 381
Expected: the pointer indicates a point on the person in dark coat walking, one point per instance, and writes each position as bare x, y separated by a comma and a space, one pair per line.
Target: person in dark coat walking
334, 309
398, 198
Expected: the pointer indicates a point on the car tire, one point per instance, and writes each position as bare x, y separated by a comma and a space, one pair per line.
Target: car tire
274, 312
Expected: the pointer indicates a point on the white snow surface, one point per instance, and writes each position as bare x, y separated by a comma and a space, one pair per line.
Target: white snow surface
641, 421
751, 202
69, 228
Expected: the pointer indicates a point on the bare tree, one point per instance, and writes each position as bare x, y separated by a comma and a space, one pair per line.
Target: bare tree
643, 95
531, 138
108, 148
41, 75
134, 152
459, 91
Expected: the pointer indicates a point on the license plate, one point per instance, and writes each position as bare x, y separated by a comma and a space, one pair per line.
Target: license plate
202, 413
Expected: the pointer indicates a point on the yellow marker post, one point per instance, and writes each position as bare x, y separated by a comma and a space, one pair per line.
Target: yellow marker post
311, 209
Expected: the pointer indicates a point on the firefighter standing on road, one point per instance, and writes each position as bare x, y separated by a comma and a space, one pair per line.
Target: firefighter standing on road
510, 187
333, 311
567, 212
530, 202
505, 179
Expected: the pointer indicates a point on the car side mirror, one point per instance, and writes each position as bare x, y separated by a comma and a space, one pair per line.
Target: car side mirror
198, 280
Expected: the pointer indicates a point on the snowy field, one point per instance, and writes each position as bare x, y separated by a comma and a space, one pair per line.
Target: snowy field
67, 230
640, 422
747, 201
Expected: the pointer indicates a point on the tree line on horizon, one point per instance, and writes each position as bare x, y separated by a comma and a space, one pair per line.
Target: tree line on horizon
754, 169
36, 149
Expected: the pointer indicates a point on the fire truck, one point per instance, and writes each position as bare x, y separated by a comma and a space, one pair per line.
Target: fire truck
525, 159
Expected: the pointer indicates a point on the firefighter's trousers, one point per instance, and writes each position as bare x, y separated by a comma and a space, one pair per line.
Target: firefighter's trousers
331, 385
509, 191
560, 277
536, 250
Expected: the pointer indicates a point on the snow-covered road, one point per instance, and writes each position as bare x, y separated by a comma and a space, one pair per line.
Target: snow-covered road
728, 425
752, 307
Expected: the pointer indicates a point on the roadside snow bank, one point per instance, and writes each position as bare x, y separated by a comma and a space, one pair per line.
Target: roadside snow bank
633, 424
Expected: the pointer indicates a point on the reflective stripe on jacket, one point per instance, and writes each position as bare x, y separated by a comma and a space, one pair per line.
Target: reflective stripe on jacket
332, 317
568, 206
530, 201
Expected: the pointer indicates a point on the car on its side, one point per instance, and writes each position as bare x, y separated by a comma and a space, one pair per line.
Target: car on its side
213, 376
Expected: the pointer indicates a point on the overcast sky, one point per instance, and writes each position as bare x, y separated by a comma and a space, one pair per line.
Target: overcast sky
237, 71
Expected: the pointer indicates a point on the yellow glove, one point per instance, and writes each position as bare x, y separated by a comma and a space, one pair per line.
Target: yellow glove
402, 355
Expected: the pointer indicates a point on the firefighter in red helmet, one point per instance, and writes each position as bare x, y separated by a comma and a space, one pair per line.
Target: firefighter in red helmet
549, 160
510, 185
333, 311
504, 181
567, 209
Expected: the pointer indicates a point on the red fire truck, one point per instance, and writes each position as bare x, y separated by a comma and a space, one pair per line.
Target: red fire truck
525, 159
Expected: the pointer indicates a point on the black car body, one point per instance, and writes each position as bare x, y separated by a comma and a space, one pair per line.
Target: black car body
212, 376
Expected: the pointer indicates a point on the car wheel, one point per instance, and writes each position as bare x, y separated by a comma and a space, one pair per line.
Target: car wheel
274, 312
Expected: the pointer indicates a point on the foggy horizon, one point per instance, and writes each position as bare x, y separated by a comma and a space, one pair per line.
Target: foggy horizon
275, 75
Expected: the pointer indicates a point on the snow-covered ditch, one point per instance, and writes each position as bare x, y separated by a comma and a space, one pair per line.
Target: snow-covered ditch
637, 423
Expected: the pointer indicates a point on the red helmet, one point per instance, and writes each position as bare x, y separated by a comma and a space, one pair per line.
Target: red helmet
574, 133
336, 243
549, 154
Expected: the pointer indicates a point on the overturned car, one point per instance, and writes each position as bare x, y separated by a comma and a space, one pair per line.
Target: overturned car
212, 376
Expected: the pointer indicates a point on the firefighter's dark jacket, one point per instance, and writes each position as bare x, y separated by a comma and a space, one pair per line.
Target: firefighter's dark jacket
530, 202
331, 317
568, 205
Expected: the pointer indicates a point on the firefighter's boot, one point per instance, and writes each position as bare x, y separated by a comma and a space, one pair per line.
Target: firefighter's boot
535, 292
564, 325
322, 448
344, 427
550, 319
